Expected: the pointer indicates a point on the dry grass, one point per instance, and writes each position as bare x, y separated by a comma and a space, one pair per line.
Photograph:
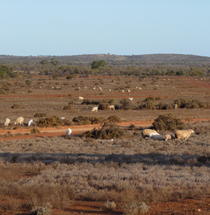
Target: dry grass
59, 170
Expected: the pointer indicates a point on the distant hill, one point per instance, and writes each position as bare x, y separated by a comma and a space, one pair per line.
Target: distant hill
150, 59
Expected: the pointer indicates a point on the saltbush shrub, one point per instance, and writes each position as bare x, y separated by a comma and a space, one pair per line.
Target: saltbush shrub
168, 122
40, 115
53, 121
135, 208
85, 120
114, 118
35, 131
126, 104
108, 131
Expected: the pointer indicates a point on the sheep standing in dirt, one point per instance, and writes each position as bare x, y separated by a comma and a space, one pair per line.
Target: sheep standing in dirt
19, 121
30, 122
94, 109
68, 131
146, 132
183, 134
6, 121
155, 136
111, 107
131, 99
169, 137
81, 98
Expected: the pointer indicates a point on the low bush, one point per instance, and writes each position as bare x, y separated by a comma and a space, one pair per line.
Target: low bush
147, 105
114, 118
68, 107
126, 104
41, 210
108, 131
35, 131
103, 106
89, 102
135, 208
85, 120
168, 122
53, 121
15, 106
40, 115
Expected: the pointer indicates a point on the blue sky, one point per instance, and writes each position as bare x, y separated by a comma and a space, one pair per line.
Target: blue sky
122, 27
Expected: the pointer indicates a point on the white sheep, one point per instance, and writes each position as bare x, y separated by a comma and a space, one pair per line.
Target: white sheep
81, 98
19, 120
131, 99
183, 134
30, 122
123, 91
6, 121
155, 136
129, 91
146, 132
111, 107
100, 88
62, 118
68, 131
169, 137
94, 109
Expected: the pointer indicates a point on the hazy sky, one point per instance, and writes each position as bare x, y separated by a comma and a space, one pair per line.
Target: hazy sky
122, 27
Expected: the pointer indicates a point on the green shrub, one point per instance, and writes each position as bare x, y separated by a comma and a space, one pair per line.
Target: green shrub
168, 122
70, 77
108, 131
89, 102
149, 99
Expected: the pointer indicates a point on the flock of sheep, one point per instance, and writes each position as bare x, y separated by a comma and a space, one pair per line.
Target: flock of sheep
178, 134
18, 121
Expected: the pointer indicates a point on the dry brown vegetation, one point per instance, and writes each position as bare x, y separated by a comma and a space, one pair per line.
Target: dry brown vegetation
60, 171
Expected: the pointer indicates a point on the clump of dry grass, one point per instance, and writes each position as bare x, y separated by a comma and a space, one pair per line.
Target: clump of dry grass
41, 210
135, 208
109, 205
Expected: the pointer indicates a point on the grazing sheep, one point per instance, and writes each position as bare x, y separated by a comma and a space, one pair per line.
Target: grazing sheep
131, 99
68, 131
183, 134
6, 122
62, 118
175, 106
146, 132
139, 88
81, 98
19, 120
30, 122
123, 91
100, 88
128, 91
94, 88
111, 107
155, 136
94, 109
169, 137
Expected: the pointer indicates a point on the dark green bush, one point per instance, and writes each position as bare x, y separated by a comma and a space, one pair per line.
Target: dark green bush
149, 99
168, 122
148, 105
89, 102
108, 131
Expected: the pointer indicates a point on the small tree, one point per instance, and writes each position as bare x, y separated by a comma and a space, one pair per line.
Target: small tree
98, 64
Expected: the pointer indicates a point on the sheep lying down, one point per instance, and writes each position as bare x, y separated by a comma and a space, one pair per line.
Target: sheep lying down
155, 136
